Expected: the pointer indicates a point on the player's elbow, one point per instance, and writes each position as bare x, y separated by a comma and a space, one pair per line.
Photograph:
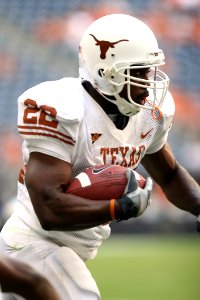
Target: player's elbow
51, 220
169, 177
47, 225
48, 220
50, 225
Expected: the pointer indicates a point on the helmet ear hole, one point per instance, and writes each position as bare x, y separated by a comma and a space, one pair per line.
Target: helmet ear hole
100, 72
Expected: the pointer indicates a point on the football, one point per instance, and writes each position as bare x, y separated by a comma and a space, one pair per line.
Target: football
102, 182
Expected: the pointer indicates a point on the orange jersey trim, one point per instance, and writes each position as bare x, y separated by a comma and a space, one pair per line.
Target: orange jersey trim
50, 133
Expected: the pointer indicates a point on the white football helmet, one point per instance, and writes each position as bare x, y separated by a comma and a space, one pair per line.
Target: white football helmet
110, 48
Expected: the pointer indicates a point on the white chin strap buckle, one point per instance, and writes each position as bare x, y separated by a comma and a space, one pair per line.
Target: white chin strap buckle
125, 107
125, 111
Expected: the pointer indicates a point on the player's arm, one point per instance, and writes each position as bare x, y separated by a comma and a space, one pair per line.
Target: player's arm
46, 179
177, 184
19, 278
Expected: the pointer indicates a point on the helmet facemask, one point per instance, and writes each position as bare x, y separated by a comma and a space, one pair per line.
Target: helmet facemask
157, 84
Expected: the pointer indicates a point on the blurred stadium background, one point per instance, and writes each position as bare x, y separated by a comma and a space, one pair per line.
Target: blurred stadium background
39, 42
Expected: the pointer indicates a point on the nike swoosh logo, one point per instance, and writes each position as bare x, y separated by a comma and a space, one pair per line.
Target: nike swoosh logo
143, 135
96, 171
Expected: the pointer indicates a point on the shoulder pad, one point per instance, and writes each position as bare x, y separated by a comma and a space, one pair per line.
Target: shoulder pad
168, 106
64, 95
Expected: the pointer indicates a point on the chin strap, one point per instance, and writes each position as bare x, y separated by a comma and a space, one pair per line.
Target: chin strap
126, 108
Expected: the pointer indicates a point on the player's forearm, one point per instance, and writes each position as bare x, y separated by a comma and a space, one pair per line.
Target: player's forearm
39, 288
183, 191
36, 287
19, 278
69, 212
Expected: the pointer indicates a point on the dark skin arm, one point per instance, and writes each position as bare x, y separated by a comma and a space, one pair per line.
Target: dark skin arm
46, 179
19, 278
177, 184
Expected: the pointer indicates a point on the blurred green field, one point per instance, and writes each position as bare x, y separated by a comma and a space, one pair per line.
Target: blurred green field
148, 268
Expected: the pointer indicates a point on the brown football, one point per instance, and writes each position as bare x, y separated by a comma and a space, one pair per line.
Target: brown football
102, 182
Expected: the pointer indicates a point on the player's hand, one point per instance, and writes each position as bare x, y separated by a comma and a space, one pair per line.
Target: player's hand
198, 223
135, 199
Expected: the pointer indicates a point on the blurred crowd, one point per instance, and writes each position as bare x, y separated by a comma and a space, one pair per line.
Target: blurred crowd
39, 41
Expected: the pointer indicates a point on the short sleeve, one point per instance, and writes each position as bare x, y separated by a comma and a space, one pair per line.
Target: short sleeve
48, 122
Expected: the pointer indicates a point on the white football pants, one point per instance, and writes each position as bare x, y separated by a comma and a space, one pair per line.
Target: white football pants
63, 268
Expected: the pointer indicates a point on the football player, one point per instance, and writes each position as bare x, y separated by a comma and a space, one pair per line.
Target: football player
118, 111
21, 279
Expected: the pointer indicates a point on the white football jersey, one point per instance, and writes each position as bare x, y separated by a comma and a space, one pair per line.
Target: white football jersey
59, 118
